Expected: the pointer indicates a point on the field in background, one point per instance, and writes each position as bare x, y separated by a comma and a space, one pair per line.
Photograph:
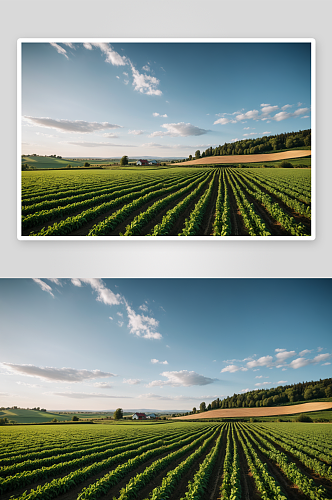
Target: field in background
171, 201
260, 158
176, 460
261, 411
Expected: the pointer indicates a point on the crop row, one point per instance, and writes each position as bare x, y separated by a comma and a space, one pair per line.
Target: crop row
132, 456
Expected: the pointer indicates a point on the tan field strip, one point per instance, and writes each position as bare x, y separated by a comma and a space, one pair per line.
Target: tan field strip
285, 155
260, 412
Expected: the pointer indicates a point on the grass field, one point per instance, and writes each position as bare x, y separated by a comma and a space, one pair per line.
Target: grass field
173, 460
174, 201
22, 416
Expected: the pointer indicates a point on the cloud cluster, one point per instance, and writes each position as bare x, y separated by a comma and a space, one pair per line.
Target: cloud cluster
158, 114
57, 374
59, 49
142, 325
132, 381
266, 112
279, 361
76, 126
181, 378
44, 286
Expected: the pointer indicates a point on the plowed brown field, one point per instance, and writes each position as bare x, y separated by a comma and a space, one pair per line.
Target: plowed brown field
260, 412
285, 155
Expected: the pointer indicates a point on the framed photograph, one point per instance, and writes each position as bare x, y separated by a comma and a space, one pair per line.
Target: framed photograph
170, 138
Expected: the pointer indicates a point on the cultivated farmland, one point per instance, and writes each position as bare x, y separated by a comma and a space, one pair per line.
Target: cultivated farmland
167, 202
258, 158
187, 460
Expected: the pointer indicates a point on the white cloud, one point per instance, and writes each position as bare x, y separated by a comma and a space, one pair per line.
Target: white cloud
104, 294
136, 132
319, 349
233, 369
282, 382
235, 140
179, 130
245, 390
223, 121
306, 116
158, 114
144, 307
264, 133
112, 56
300, 362
145, 84
103, 385
262, 383
266, 110
283, 115
282, 354
299, 104
60, 49
57, 374
111, 136
156, 361
29, 385
263, 105
125, 73
246, 128
84, 395
146, 68
132, 381
259, 376
110, 317
326, 364
88, 46
141, 325
71, 45
181, 378
263, 361
44, 286
165, 398
117, 77
304, 352
286, 106
120, 314
76, 126
55, 280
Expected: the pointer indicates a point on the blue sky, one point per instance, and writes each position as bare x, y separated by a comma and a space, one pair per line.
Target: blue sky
105, 99
158, 343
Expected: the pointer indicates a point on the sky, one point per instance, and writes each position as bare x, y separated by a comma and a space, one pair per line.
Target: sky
106, 99
167, 344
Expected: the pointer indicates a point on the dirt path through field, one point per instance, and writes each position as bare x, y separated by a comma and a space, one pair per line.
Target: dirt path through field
285, 155
259, 412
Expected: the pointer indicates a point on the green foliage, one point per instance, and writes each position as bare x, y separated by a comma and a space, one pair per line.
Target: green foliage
303, 418
118, 414
75, 418
124, 160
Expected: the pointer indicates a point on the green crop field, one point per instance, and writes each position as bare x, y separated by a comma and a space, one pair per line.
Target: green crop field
172, 460
22, 416
174, 201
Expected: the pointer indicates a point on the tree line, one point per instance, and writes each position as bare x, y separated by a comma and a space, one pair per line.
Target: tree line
303, 391
260, 145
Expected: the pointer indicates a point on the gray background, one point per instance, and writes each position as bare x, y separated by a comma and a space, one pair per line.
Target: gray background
180, 19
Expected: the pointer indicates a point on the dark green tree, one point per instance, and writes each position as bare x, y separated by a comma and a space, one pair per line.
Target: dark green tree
124, 160
118, 414
197, 154
202, 407
75, 418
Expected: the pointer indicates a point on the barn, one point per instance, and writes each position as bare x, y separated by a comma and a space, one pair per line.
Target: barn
139, 416
142, 162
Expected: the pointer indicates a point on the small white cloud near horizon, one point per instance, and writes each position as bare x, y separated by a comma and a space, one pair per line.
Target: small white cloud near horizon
181, 378
233, 369
103, 385
282, 382
180, 129
132, 381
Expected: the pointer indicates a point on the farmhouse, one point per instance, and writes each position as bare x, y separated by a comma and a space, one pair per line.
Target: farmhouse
139, 416
142, 162
153, 162
151, 415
